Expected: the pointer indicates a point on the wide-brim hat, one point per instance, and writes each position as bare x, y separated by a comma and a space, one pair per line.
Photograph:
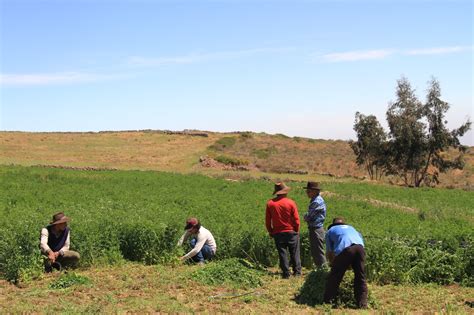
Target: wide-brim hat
281, 189
312, 186
59, 218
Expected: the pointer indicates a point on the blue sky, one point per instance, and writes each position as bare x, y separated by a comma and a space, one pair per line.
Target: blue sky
302, 68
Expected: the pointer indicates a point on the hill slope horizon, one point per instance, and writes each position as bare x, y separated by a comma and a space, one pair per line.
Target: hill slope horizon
242, 152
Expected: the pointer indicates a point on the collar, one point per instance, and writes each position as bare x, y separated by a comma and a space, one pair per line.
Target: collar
334, 224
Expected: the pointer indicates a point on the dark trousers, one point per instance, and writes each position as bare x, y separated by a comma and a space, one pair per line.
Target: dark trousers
69, 259
316, 240
288, 242
351, 256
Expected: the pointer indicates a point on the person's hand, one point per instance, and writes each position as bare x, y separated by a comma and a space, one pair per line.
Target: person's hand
182, 258
52, 256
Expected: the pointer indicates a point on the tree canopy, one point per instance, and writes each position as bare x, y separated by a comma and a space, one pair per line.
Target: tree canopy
418, 140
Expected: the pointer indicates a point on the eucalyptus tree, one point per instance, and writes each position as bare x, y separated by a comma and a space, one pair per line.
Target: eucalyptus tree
419, 139
370, 146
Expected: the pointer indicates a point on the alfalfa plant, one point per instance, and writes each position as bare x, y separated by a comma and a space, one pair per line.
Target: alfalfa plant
312, 291
236, 272
69, 279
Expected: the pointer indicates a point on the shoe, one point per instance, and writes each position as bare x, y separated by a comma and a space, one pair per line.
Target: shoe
285, 276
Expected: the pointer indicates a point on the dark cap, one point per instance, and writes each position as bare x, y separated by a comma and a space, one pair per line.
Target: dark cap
190, 223
337, 221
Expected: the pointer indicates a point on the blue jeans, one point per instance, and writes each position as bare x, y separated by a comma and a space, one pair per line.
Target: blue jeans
204, 254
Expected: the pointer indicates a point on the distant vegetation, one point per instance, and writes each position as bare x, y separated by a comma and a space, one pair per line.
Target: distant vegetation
181, 152
416, 147
223, 143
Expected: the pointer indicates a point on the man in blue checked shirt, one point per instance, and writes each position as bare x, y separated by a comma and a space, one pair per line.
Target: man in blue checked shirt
315, 219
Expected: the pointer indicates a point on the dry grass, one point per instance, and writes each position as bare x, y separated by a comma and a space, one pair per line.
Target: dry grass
122, 150
137, 288
272, 154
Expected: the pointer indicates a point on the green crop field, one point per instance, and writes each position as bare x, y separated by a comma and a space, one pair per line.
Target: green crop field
413, 236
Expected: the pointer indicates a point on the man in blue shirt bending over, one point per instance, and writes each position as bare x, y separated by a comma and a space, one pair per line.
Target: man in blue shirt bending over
345, 248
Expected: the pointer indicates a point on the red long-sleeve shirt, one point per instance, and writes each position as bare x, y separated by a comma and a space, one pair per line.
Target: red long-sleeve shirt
282, 216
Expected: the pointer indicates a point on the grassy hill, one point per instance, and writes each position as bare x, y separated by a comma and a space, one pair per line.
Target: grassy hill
261, 154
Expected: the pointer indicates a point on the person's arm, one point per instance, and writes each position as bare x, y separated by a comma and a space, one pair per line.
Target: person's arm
329, 249
66, 244
268, 220
45, 249
183, 238
296, 218
44, 241
330, 256
201, 240
314, 210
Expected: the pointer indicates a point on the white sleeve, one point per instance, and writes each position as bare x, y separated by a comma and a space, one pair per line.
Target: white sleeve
201, 240
44, 241
183, 238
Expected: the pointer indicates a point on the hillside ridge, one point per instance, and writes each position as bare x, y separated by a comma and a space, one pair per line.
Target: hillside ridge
189, 150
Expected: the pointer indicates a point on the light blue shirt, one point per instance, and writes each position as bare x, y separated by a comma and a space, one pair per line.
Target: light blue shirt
316, 212
339, 237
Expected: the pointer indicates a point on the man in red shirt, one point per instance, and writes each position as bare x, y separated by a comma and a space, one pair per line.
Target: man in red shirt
283, 223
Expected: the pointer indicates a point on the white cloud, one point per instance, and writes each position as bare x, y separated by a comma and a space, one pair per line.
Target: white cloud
52, 78
357, 55
437, 50
201, 57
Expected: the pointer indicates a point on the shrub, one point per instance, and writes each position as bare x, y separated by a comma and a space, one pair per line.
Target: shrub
234, 271
246, 135
228, 160
223, 143
434, 265
389, 260
298, 139
98, 242
312, 291
467, 254
147, 244
20, 259
265, 153
69, 279
259, 249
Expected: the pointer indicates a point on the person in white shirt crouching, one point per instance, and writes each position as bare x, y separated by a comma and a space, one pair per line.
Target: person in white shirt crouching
203, 245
